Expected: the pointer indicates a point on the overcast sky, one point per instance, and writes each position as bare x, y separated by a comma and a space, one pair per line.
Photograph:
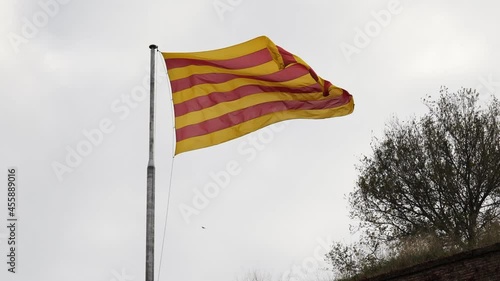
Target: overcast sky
74, 121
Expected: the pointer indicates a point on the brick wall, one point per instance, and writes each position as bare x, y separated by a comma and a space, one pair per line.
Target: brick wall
477, 265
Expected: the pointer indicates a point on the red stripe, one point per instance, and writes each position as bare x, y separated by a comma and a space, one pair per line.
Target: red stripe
245, 61
288, 57
287, 74
243, 115
214, 98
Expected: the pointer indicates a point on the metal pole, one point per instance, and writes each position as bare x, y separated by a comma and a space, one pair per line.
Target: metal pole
150, 214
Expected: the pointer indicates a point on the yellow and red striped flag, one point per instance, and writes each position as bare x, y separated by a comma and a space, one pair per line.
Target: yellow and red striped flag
223, 94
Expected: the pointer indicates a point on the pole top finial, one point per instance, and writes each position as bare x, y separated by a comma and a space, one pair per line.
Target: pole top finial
153, 46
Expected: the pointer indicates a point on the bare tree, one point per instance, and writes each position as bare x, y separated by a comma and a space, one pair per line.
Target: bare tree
436, 175
439, 173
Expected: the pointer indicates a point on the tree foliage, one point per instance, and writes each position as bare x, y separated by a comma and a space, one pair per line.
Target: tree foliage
436, 175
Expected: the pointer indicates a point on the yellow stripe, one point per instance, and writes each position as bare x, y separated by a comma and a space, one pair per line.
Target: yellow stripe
232, 52
321, 81
205, 89
245, 102
257, 123
300, 61
183, 72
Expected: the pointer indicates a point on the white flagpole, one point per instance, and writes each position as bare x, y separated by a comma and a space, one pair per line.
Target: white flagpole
150, 214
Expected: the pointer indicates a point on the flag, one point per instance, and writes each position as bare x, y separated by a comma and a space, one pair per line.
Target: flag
223, 94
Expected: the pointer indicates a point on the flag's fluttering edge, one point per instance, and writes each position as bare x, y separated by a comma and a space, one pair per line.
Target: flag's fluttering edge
223, 94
